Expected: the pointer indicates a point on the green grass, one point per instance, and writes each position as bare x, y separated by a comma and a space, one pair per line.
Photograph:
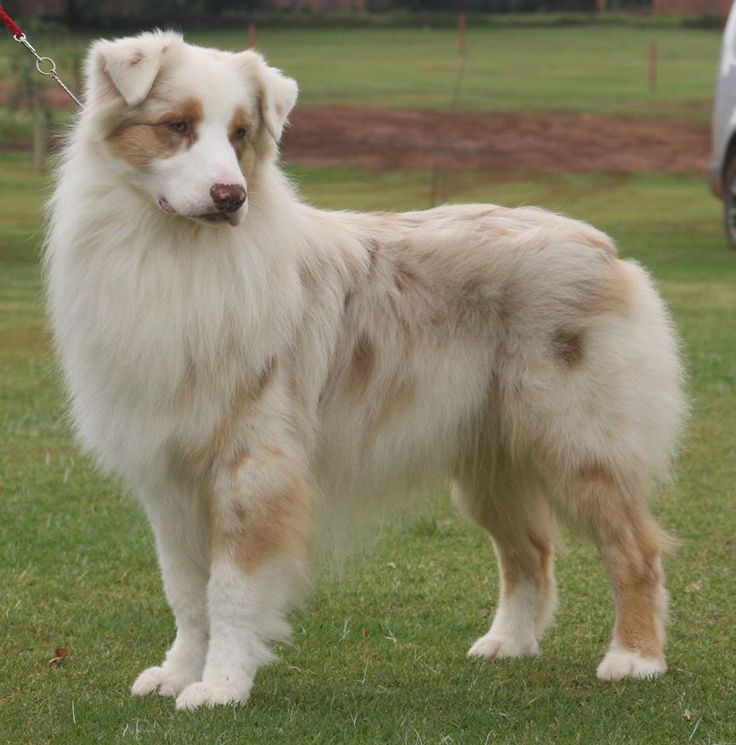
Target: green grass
572, 68
379, 651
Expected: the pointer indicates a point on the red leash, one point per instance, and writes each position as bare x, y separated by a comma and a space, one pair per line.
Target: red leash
10, 24
45, 65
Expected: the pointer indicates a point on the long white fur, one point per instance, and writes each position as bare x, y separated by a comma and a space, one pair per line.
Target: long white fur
145, 305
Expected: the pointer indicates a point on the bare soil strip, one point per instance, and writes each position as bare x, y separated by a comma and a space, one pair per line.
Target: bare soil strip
499, 143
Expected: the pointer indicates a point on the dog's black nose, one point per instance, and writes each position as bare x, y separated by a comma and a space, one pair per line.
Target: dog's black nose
228, 197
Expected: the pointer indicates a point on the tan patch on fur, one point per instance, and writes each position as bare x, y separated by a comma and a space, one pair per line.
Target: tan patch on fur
239, 120
523, 531
527, 557
238, 459
190, 110
637, 577
567, 346
595, 472
264, 379
140, 143
603, 244
362, 364
249, 537
616, 295
200, 461
404, 277
631, 543
372, 248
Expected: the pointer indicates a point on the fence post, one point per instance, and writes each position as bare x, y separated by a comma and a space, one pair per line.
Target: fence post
462, 27
40, 133
653, 55
251, 35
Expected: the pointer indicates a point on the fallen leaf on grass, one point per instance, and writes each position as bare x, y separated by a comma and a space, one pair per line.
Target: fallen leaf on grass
59, 654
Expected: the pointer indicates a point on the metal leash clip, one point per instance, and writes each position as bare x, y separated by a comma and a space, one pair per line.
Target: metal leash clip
45, 66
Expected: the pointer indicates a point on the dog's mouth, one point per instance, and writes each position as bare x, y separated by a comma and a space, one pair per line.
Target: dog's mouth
218, 218
163, 203
206, 218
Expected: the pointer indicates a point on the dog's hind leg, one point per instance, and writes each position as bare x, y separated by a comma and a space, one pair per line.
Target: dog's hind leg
514, 510
612, 510
181, 545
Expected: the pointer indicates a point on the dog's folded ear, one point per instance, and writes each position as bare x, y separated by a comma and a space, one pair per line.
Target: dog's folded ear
127, 68
277, 94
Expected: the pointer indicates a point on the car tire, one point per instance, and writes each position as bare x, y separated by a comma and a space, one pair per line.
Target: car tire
729, 200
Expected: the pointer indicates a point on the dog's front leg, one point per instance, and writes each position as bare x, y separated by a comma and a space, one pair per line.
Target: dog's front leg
181, 545
259, 541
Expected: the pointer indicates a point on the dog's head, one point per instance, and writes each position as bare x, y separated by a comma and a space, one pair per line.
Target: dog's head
187, 125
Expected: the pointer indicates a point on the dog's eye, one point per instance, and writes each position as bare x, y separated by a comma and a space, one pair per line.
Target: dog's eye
180, 126
240, 133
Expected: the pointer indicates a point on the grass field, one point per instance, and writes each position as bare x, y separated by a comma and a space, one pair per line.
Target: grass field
379, 652
572, 68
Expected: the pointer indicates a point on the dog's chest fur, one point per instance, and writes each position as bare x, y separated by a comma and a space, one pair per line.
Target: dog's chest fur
159, 334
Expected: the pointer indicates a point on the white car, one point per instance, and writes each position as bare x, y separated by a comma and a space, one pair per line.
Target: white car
723, 165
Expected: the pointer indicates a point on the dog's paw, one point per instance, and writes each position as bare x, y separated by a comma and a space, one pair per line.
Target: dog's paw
161, 680
495, 647
209, 695
624, 663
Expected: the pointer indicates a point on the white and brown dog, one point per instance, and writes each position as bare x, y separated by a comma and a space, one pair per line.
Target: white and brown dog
251, 366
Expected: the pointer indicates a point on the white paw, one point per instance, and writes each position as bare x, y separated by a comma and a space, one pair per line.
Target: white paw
209, 695
492, 646
161, 680
622, 663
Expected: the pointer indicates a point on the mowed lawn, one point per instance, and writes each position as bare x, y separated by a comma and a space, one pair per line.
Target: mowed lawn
379, 651
572, 68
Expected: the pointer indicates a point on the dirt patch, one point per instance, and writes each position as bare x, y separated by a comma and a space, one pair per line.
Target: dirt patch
498, 143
